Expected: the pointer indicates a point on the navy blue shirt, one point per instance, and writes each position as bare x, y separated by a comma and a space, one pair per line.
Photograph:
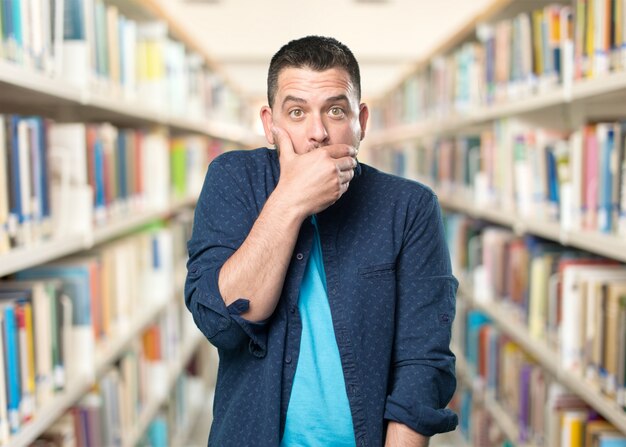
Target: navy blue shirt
390, 289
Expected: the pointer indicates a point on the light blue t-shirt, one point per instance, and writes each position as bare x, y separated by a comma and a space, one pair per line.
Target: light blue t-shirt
318, 413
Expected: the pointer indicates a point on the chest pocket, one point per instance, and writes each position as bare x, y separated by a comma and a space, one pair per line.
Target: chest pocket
385, 271
376, 294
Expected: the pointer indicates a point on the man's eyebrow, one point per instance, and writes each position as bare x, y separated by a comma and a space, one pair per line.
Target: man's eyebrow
291, 98
338, 98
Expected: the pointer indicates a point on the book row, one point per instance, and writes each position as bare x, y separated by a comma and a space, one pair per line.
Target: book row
572, 301
504, 377
110, 413
57, 317
65, 178
513, 58
576, 179
94, 45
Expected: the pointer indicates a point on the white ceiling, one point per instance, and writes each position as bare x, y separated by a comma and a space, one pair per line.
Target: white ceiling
387, 37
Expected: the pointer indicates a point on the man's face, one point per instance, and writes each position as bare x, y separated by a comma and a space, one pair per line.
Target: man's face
316, 108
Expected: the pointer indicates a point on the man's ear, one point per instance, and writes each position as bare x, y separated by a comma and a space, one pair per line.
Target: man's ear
267, 119
364, 114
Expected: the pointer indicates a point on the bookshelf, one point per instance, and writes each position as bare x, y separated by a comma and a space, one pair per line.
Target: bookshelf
43, 251
156, 85
486, 400
607, 91
25, 91
148, 413
464, 121
549, 360
106, 355
601, 244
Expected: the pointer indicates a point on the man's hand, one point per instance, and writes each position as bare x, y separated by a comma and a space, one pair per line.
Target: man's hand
399, 435
313, 181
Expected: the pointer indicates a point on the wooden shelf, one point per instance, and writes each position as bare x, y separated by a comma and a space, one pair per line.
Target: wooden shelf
40, 252
610, 87
49, 413
24, 85
55, 248
131, 222
611, 246
24, 91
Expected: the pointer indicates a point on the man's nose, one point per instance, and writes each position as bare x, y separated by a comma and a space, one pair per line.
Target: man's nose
317, 130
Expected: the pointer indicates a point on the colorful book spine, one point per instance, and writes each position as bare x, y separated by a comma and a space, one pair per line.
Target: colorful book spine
12, 364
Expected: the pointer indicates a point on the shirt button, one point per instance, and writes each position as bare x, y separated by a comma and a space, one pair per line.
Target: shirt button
299, 256
288, 359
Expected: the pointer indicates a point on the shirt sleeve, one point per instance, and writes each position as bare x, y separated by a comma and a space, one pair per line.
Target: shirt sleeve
223, 219
423, 377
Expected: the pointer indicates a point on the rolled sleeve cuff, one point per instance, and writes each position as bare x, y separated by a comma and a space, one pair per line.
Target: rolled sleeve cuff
424, 420
256, 331
215, 319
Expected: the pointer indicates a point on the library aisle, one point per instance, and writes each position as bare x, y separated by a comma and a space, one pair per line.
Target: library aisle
512, 111
518, 124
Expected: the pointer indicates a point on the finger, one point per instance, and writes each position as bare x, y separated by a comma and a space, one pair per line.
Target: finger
341, 150
346, 164
283, 143
346, 176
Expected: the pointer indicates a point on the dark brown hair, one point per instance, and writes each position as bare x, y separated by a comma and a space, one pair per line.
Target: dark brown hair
316, 53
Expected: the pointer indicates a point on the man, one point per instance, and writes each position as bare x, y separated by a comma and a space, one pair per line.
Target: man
325, 284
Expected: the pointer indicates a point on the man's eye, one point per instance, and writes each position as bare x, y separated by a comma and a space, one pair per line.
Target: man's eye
296, 113
336, 111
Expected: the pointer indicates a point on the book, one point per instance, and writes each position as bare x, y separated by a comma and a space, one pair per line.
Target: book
158, 432
75, 47
611, 440
595, 428
524, 411
573, 325
71, 197
4, 417
573, 428
24, 317
44, 299
538, 307
76, 277
4, 189
90, 410
614, 329
606, 143
12, 365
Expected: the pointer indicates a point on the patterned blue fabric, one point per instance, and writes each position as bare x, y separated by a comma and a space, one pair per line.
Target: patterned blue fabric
318, 411
390, 289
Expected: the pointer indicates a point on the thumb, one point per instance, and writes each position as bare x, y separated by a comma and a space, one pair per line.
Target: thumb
283, 143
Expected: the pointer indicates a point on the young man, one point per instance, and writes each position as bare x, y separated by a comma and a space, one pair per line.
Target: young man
325, 284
